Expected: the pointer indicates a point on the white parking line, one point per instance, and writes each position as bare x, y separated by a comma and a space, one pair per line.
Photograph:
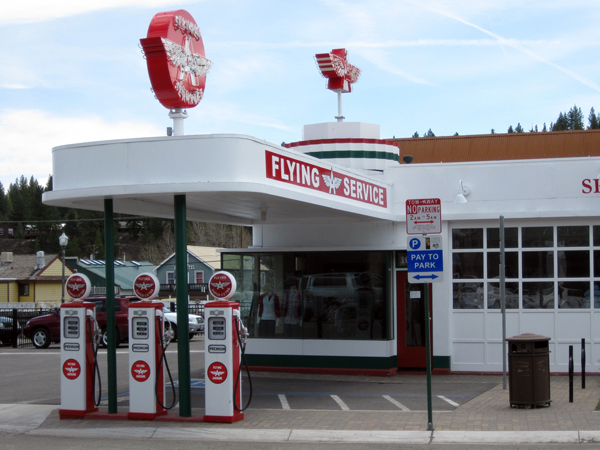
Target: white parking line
340, 402
396, 402
456, 405
284, 402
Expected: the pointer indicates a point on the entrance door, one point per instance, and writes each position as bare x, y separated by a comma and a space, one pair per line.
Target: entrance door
411, 322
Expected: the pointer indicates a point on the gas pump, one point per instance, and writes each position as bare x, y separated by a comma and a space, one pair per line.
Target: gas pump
223, 340
78, 352
147, 352
146, 375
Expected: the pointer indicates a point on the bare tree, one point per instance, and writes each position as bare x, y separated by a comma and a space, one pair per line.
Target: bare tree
219, 235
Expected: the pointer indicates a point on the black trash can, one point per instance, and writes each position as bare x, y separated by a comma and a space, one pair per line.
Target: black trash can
529, 370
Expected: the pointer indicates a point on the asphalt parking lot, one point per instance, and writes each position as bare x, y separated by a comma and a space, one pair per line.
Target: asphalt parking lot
32, 376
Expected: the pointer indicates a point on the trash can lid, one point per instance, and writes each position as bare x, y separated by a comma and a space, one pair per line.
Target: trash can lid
528, 337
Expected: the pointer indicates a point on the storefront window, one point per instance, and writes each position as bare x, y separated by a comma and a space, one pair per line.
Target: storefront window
573, 295
511, 296
316, 295
467, 265
467, 238
511, 237
573, 264
554, 267
538, 295
511, 265
468, 295
538, 264
538, 236
576, 236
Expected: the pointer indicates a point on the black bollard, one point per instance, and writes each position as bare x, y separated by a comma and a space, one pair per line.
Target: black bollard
570, 374
583, 363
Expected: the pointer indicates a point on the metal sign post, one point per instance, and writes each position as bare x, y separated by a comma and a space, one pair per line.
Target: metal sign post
425, 265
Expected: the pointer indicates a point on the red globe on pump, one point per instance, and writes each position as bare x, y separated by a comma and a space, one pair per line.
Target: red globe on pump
175, 57
222, 285
78, 286
146, 286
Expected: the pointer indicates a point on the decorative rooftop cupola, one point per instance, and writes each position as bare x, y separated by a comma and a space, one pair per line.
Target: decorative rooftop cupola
355, 145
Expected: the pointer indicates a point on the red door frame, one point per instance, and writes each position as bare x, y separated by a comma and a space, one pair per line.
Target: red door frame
409, 357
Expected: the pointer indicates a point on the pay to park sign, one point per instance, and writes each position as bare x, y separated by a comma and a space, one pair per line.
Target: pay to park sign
425, 259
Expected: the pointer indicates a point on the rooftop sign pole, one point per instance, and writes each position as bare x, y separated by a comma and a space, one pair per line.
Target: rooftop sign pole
339, 72
177, 67
176, 62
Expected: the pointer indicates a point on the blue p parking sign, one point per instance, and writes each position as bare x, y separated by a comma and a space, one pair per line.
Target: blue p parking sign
425, 259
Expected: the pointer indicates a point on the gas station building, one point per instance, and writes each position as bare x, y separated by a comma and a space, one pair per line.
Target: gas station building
324, 285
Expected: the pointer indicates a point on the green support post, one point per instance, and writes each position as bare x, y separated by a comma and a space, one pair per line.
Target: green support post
111, 351
428, 362
183, 330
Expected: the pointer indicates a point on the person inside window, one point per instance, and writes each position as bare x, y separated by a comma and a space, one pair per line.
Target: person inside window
268, 313
292, 309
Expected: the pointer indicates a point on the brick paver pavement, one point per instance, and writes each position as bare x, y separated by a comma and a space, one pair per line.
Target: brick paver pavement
489, 411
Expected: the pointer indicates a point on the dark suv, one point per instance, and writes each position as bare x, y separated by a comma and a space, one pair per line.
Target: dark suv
46, 329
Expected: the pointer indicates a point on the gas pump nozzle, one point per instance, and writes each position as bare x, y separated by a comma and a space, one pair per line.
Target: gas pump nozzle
242, 330
97, 336
168, 334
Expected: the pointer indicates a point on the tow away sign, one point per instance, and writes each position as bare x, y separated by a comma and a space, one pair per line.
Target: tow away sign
424, 216
425, 259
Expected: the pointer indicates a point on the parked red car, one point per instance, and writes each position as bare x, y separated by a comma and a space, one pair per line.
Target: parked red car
43, 330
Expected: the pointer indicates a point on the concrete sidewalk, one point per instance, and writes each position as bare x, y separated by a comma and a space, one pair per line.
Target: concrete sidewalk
487, 418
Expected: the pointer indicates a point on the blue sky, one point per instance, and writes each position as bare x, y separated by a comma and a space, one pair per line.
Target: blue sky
72, 71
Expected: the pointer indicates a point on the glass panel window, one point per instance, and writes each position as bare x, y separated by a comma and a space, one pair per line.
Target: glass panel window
467, 265
463, 238
597, 263
573, 264
597, 235
331, 295
596, 295
576, 236
199, 277
538, 295
511, 265
573, 294
511, 296
468, 295
170, 277
538, 237
511, 237
538, 264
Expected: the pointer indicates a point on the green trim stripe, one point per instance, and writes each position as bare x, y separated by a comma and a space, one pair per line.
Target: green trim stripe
357, 154
441, 362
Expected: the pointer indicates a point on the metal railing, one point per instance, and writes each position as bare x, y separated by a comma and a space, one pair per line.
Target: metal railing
13, 321
192, 288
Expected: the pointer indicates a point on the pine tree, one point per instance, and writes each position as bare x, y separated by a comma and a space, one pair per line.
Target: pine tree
593, 121
544, 129
519, 128
510, 129
416, 134
429, 134
4, 204
493, 131
575, 118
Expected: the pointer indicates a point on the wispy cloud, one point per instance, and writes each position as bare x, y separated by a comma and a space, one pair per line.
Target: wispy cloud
28, 11
513, 44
